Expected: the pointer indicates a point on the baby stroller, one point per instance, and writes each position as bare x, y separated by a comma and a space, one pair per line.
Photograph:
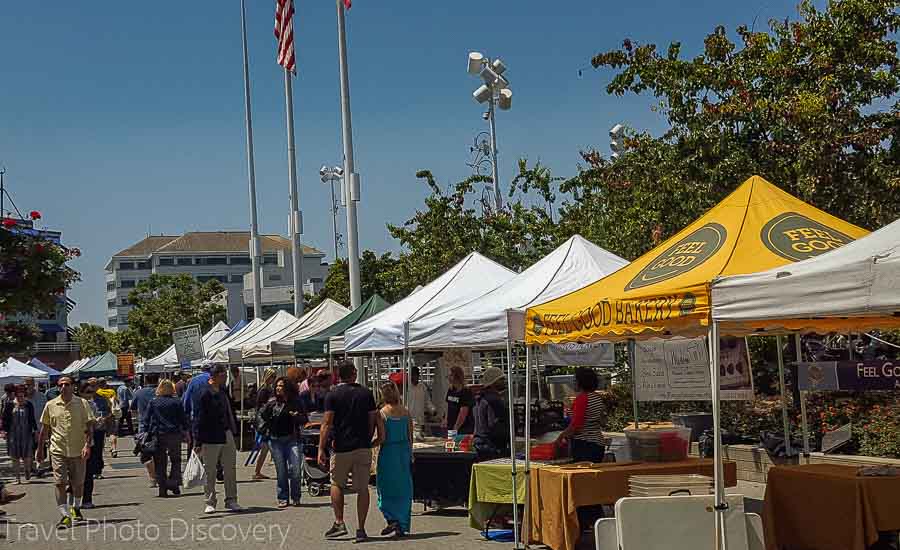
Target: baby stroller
316, 480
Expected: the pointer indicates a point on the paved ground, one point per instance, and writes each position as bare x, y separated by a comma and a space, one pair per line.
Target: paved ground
130, 515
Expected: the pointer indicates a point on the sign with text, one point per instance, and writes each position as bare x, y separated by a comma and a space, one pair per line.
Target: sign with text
836, 438
850, 376
125, 365
678, 370
188, 343
594, 354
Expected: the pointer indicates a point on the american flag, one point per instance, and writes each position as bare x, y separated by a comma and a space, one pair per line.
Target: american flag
284, 33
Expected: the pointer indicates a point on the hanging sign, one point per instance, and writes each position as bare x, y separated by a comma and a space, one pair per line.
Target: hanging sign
188, 343
849, 376
594, 354
678, 370
125, 365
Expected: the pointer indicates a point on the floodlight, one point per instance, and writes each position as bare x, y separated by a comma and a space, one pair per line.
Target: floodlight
338, 171
498, 66
476, 60
504, 100
489, 76
482, 94
323, 171
616, 130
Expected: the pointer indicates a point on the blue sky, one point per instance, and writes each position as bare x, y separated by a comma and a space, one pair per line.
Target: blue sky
120, 118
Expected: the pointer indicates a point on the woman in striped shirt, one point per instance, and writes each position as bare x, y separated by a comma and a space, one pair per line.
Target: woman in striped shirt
585, 431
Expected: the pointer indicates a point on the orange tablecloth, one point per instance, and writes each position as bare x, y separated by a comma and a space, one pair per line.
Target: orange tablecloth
558, 491
828, 507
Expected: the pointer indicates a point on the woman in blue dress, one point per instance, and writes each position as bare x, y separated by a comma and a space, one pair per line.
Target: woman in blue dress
394, 474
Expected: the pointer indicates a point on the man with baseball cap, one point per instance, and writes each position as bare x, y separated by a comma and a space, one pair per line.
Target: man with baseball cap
491, 417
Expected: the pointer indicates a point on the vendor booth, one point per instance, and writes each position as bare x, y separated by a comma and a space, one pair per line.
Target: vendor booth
666, 292
168, 360
13, 371
316, 345
258, 330
279, 345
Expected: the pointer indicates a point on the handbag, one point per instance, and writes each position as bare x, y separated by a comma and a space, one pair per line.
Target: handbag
194, 472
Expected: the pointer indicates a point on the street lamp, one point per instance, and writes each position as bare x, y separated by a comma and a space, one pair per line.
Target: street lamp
329, 176
496, 93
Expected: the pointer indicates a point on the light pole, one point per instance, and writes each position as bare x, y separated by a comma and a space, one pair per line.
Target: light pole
329, 176
496, 93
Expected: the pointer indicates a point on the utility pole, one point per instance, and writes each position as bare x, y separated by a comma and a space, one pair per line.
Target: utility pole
255, 252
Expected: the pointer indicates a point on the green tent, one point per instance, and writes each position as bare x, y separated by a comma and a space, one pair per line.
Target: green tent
102, 365
317, 344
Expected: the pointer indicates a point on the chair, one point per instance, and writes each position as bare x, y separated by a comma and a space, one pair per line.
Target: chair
755, 538
605, 536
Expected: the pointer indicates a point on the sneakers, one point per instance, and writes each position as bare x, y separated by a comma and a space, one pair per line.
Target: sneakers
361, 536
75, 513
282, 504
176, 490
65, 522
392, 528
337, 530
233, 507
209, 509
87, 505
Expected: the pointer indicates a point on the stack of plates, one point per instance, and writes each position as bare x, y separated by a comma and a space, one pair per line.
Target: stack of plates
662, 486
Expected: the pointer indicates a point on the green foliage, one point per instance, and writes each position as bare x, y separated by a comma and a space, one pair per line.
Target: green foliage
165, 302
376, 277
94, 340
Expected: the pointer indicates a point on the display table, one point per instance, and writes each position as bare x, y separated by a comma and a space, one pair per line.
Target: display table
440, 477
558, 491
490, 489
828, 507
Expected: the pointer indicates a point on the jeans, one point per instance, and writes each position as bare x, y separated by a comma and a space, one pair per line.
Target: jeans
212, 454
168, 449
287, 453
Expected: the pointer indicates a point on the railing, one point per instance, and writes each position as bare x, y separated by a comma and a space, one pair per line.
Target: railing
55, 347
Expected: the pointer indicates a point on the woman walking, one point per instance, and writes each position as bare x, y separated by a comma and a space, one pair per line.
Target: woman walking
167, 425
21, 429
282, 418
394, 476
588, 419
95, 464
265, 394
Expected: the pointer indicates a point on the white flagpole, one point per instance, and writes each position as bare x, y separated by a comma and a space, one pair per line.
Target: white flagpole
296, 221
255, 251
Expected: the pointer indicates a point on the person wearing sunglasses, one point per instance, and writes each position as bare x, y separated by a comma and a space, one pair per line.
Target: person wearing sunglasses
68, 424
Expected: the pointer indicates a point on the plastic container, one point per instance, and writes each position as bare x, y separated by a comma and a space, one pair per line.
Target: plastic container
698, 423
658, 444
545, 451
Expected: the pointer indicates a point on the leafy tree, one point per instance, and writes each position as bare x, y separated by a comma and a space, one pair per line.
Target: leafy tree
165, 302
95, 340
810, 105
376, 277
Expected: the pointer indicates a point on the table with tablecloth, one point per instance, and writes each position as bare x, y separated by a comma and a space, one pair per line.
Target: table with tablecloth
828, 507
490, 489
558, 491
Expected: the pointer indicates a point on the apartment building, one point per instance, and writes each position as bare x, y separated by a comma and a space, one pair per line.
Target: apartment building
206, 255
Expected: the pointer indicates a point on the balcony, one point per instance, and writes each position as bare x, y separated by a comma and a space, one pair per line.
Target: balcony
55, 347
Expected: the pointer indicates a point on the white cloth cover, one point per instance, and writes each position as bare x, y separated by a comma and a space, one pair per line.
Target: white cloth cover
169, 359
14, 371
280, 345
222, 346
860, 279
473, 276
482, 322
75, 365
263, 332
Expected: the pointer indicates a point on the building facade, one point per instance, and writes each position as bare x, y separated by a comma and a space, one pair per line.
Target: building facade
220, 255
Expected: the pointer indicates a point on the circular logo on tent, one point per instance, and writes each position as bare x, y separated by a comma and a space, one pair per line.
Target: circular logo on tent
683, 256
796, 237
687, 305
537, 327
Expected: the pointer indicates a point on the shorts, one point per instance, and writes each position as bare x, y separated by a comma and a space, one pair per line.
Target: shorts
357, 462
68, 470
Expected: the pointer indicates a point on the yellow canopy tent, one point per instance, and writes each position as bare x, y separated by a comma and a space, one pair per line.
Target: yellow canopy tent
666, 292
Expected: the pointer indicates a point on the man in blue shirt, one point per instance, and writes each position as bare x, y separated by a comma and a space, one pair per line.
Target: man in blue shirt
140, 402
192, 393
125, 395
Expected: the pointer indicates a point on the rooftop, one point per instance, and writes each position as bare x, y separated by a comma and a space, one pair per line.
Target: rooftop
209, 241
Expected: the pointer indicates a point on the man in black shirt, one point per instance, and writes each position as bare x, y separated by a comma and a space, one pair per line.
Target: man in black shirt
491, 418
350, 416
213, 432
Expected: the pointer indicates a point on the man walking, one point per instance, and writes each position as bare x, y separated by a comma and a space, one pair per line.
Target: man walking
141, 403
214, 429
126, 395
350, 416
68, 423
38, 401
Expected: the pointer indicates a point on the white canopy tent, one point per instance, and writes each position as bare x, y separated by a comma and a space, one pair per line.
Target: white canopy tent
857, 281
222, 346
168, 360
281, 346
483, 321
13, 371
473, 276
77, 364
270, 327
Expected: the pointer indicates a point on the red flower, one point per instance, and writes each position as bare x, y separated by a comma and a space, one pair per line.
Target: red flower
34, 215
9, 223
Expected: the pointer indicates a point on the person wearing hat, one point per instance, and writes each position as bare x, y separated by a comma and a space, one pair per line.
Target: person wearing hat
491, 418
265, 393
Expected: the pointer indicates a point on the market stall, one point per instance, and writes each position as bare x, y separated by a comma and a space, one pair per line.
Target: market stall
279, 345
168, 359
254, 332
666, 292
317, 345
13, 371
219, 351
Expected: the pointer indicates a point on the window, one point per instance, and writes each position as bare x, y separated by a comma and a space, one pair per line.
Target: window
110, 304
240, 260
275, 277
270, 259
110, 286
167, 261
112, 321
212, 260
205, 278
126, 265
237, 278
185, 261
143, 265
315, 280
127, 284
123, 318
124, 302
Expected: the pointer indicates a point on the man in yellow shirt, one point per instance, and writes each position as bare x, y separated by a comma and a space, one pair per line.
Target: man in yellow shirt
68, 424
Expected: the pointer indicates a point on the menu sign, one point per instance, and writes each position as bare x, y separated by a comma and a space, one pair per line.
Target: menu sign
593, 354
678, 370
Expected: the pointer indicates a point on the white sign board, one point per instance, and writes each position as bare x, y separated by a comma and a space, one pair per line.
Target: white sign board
188, 344
594, 354
678, 370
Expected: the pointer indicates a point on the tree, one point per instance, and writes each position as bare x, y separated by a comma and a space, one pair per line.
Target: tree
376, 277
810, 105
165, 302
94, 340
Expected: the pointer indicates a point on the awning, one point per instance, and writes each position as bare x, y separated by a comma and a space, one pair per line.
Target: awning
168, 360
317, 345
259, 332
665, 292
280, 345
13, 371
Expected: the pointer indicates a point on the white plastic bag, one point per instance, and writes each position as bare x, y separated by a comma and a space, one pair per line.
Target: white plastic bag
194, 473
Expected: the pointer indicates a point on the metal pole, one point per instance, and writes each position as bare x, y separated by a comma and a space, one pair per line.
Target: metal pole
351, 178
512, 442
718, 467
2, 192
251, 174
804, 422
296, 224
498, 200
781, 388
334, 212
634, 401
405, 367
526, 517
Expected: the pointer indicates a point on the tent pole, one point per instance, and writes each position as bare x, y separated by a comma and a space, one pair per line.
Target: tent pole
241, 385
634, 400
537, 370
526, 517
718, 467
804, 421
405, 369
512, 441
781, 388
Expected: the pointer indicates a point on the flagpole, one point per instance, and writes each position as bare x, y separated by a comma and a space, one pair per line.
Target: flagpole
251, 173
351, 178
296, 221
